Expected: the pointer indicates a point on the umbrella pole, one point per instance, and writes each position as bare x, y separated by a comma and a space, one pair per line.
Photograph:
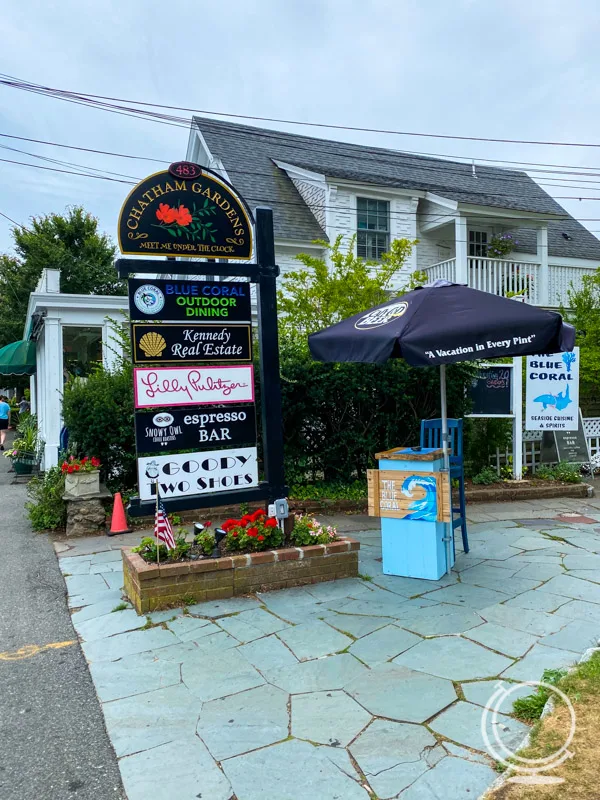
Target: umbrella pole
444, 405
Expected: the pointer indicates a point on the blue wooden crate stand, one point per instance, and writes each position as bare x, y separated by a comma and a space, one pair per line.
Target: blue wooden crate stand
410, 492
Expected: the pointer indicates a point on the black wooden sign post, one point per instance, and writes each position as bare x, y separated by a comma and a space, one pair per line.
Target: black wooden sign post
214, 420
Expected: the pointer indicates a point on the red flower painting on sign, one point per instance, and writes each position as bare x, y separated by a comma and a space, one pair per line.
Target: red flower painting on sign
194, 224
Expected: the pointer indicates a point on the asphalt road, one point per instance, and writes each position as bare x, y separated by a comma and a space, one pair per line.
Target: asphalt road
53, 744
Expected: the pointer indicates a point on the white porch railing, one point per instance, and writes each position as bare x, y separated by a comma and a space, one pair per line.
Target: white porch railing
493, 275
444, 270
561, 279
499, 276
505, 276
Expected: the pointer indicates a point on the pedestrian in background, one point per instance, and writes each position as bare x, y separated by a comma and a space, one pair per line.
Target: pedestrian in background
4, 420
24, 406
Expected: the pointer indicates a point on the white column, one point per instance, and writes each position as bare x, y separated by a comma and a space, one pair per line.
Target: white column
460, 233
542, 257
53, 358
517, 409
32, 394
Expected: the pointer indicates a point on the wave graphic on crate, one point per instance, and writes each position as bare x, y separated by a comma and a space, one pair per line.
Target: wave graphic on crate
424, 508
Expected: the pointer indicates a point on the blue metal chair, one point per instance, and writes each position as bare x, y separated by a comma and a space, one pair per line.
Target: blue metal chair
431, 436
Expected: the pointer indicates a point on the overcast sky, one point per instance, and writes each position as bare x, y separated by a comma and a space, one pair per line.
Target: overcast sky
517, 69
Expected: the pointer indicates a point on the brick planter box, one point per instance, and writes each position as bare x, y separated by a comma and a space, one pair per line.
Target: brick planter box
149, 586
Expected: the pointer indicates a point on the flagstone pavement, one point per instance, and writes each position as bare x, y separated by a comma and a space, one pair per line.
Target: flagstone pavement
362, 688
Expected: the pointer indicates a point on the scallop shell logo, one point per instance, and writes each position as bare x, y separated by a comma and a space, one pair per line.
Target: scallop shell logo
152, 344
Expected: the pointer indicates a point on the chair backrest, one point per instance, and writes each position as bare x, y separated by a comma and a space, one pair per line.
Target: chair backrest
431, 436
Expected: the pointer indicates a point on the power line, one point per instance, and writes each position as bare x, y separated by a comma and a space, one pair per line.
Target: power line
20, 84
11, 220
139, 113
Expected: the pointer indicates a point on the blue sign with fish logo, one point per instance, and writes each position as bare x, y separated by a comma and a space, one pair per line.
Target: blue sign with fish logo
552, 392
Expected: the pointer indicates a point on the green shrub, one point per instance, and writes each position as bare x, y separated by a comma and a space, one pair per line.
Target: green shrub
98, 413
206, 542
544, 473
530, 708
568, 473
337, 416
46, 509
481, 439
355, 490
307, 531
486, 477
148, 550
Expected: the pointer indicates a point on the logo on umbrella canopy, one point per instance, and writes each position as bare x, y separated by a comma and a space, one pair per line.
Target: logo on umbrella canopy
381, 316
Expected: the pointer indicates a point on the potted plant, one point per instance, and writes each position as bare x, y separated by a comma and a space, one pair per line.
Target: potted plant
82, 476
23, 453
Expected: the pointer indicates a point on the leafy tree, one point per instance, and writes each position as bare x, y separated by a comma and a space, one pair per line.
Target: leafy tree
70, 243
330, 289
98, 412
584, 314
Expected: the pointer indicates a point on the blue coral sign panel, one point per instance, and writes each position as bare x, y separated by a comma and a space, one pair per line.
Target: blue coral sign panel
552, 392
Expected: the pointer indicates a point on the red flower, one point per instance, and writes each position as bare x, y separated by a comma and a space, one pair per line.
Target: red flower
234, 534
246, 519
207, 524
252, 532
95, 461
76, 467
70, 469
260, 512
166, 214
261, 538
230, 523
64, 466
271, 523
84, 459
183, 216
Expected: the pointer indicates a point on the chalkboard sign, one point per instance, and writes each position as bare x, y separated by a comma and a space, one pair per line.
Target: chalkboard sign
569, 446
491, 391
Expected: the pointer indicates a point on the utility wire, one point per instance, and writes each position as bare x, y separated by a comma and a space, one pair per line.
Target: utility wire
66, 93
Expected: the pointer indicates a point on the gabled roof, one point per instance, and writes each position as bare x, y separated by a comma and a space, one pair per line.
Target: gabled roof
248, 154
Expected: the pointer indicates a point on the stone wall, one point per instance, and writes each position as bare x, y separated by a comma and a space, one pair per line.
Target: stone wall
152, 586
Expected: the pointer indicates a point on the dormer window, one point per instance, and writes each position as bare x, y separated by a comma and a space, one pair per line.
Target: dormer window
372, 228
478, 244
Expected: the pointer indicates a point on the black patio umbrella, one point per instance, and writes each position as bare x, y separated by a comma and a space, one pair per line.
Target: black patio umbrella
443, 323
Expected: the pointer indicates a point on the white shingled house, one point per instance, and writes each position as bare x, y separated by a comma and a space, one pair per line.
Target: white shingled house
320, 188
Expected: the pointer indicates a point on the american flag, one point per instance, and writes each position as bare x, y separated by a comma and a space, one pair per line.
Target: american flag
162, 527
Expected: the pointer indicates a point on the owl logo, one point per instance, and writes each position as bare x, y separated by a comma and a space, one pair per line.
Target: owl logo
152, 471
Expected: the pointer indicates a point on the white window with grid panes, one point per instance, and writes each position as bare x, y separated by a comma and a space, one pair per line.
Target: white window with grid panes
372, 228
478, 244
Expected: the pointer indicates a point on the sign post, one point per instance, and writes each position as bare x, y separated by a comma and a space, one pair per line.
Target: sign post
497, 392
192, 343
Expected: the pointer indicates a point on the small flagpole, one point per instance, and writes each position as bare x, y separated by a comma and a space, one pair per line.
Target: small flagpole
155, 527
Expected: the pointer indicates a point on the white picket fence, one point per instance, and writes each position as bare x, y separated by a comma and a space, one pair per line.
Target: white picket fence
532, 445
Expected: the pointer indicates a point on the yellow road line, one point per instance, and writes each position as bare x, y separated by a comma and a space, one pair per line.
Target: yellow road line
32, 650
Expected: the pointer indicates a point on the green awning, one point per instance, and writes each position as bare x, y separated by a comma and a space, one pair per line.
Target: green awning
18, 358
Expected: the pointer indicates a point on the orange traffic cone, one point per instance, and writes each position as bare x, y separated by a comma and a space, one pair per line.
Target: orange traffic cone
119, 521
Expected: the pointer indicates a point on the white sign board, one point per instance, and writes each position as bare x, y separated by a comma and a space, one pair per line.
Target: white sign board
552, 392
186, 386
197, 473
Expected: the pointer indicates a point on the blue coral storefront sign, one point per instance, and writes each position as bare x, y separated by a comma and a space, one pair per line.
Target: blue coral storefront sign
552, 392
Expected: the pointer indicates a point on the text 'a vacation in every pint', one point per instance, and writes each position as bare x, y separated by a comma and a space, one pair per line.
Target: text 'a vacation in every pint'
190, 343
479, 347
183, 386
197, 473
